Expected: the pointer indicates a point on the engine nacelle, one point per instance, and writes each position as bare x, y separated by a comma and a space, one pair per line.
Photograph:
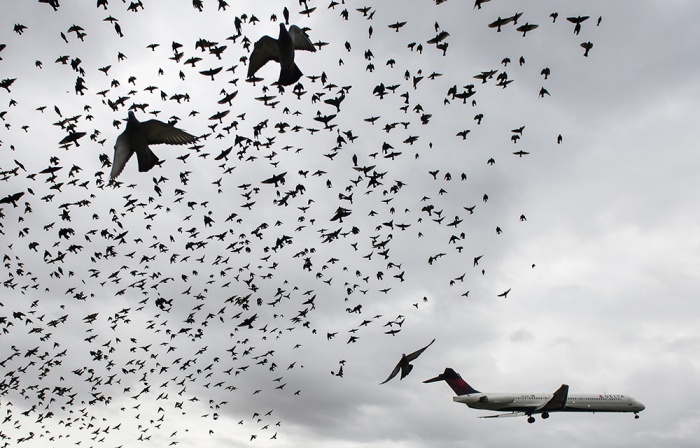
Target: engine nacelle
497, 399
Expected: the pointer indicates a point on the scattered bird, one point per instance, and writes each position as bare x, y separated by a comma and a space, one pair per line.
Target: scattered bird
527, 27
577, 21
12, 198
586, 46
404, 365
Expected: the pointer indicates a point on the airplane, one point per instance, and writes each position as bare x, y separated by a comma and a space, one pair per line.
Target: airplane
520, 404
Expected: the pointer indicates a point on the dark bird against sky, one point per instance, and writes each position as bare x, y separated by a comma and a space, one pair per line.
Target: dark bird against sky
138, 136
404, 365
281, 50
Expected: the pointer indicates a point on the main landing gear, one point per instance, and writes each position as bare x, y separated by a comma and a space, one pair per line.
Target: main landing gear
531, 419
636, 416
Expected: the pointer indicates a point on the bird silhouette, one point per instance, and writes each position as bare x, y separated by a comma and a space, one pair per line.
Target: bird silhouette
586, 46
404, 365
136, 138
12, 198
504, 294
281, 50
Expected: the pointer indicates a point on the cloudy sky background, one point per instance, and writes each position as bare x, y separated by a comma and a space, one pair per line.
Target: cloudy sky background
611, 229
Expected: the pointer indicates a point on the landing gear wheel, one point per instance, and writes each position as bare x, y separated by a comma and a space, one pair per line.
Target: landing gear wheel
636, 416
545, 415
531, 419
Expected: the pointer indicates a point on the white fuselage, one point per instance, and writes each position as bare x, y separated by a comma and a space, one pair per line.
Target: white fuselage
518, 402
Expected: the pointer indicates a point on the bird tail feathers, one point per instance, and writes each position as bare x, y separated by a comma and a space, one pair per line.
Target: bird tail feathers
147, 160
289, 75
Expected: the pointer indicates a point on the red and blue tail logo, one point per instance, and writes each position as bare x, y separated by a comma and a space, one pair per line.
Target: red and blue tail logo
455, 381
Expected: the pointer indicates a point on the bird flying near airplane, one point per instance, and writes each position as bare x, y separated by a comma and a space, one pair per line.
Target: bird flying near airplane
404, 365
527, 404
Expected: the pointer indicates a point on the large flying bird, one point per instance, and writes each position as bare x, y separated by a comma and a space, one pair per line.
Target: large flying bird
136, 138
404, 365
281, 50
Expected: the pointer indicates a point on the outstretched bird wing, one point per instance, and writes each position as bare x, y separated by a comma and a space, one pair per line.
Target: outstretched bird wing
158, 132
417, 353
122, 154
393, 373
300, 39
265, 50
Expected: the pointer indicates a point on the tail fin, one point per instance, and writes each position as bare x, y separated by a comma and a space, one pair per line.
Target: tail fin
455, 381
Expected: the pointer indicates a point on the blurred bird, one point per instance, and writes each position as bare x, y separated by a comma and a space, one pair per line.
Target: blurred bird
527, 27
136, 138
12, 198
586, 46
504, 294
53, 3
577, 22
405, 365
281, 50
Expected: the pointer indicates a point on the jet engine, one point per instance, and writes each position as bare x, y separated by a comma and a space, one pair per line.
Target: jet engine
497, 399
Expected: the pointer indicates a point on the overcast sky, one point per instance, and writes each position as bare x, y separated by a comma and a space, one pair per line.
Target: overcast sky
111, 337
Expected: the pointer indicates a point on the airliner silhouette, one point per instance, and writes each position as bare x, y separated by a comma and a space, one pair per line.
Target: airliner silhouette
527, 404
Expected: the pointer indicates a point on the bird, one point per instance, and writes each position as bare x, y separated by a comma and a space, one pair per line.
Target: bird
136, 138
498, 23
586, 46
527, 27
577, 22
281, 50
12, 198
404, 365
397, 26
53, 3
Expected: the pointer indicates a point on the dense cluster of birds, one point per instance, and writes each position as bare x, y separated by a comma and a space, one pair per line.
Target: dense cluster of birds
138, 296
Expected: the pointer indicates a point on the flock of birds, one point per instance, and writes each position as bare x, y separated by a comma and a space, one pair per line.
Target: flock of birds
132, 291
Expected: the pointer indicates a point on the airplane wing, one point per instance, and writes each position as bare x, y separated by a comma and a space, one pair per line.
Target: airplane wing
510, 414
557, 402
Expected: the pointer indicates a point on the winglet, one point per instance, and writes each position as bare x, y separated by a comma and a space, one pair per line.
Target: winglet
455, 381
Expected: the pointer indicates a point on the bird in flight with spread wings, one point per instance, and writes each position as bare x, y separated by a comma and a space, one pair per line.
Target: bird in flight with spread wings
281, 50
136, 138
404, 365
